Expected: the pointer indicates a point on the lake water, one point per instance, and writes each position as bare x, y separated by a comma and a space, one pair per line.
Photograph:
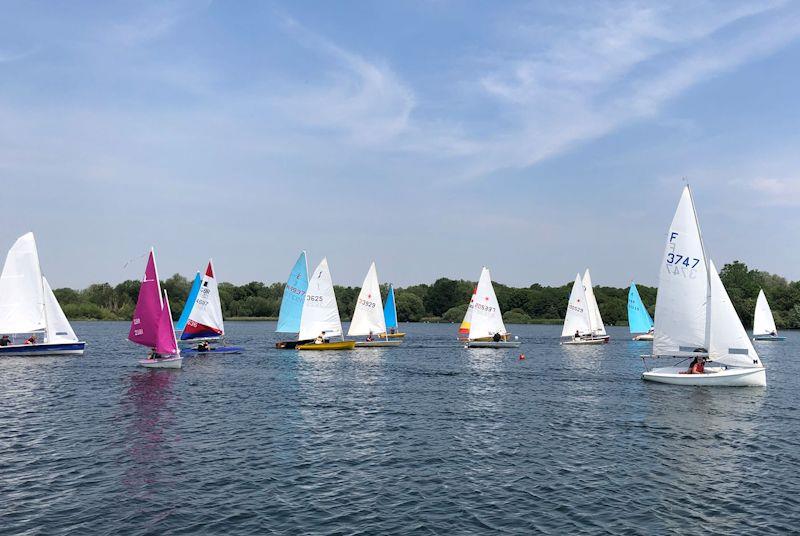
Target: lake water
427, 438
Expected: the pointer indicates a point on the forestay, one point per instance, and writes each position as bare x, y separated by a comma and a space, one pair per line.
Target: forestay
294, 295
320, 312
577, 316
639, 320
21, 290
368, 315
595, 320
59, 329
205, 319
681, 319
486, 318
728, 343
763, 322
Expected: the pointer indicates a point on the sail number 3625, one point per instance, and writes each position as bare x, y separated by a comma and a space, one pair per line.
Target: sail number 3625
689, 262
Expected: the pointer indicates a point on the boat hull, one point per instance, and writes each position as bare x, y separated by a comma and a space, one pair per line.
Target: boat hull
588, 340
713, 376
291, 345
340, 345
493, 344
377, 344
70, 348
167, 362
769, 338
213, 351
644, 337
392, 335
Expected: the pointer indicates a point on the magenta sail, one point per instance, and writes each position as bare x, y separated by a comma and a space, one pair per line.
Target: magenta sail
166, 344
146, 317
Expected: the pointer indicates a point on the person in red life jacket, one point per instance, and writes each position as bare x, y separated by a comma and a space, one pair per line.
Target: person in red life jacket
31, 340
697, 366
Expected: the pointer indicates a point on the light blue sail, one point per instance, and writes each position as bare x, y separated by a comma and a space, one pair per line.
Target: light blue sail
639, 319
187, 309
390, 310
293, 297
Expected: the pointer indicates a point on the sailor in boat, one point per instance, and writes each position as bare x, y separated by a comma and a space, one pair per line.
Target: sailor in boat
496, 337
369, 337
154, 355
5, 340
204, 347
697, 366
321, 339
392, 331
31, 340
577, 335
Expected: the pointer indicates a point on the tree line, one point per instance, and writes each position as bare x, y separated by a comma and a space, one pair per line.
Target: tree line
445, 300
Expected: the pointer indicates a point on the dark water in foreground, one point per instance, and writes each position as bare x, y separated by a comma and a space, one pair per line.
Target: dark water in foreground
429, 438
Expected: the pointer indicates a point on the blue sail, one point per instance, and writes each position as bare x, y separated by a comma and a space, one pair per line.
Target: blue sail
293, 297
639, 319
389, 310
187, 309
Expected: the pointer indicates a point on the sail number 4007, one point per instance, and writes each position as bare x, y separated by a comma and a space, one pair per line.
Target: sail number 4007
689, 262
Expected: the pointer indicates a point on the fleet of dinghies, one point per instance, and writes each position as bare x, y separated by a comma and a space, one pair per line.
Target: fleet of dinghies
694, 317
640, 322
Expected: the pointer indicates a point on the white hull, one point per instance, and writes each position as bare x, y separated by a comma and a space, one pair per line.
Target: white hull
593, 340
769, 338
644, 337
377, 344
713, 376
493, 344
167, 362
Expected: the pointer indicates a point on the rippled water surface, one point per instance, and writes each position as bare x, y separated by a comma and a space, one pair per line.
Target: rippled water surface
429, 438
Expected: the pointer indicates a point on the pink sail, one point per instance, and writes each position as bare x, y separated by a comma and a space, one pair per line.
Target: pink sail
146, 316
166, 344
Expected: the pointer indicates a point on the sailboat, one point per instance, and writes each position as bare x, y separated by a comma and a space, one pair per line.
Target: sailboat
485, 321
368, 316
205, 322
294, 296
319, 318
29, 307
582, 321
639, 320
151, 325
189, 305
764, 328
694, 315
390, 316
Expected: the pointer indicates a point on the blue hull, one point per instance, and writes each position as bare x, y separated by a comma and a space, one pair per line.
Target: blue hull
74, 348
221, 350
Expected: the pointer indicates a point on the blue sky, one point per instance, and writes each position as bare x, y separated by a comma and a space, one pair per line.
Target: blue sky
433, 137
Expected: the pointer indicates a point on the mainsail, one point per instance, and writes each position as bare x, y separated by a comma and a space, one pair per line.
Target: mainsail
595, 320
189, 303
639, 320
390, 310
763, 321
681, 304
320, 311
205, 318
294, 295
577, 319
147, 315
368, 315
486, 320
22, 308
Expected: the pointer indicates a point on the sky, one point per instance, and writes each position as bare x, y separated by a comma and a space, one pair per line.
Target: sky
433, 137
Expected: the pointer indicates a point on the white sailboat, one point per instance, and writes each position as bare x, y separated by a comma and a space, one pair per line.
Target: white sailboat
578, 318
319, 320
694, 315
595, 320
368, 319
764, 328
485, 320
29, 307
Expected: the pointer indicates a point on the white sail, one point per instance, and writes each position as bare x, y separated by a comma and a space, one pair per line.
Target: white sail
21, 291
577, 317
368, 315
205, 318
728, 343
486, 317
681, 316
595, 320
58, 327
763, 322
320, 312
